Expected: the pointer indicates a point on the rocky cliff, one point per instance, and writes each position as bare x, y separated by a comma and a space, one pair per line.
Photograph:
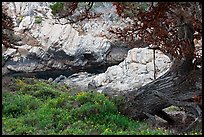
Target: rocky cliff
86, 59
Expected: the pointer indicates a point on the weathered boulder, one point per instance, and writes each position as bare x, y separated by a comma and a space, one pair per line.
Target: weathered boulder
135, 71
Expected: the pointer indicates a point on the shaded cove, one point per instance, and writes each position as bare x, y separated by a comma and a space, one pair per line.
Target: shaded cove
56, 73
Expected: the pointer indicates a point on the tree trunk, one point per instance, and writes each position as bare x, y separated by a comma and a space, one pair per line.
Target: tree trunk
180, 86
176, 87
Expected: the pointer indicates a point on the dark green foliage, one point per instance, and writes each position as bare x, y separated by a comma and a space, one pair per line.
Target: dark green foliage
15, 105
39, 90
2, 58
57, 7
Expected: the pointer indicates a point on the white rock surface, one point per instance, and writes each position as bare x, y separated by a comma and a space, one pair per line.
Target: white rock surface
9, 52
135, 71
26, 23
51, 35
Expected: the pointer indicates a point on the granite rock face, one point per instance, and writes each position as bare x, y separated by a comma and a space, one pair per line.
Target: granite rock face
49, 45
91, 60
135, 71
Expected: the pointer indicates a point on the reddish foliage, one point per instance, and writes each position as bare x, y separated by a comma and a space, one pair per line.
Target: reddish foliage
7, 25
162, 21
197, 99
72, 7
119, 8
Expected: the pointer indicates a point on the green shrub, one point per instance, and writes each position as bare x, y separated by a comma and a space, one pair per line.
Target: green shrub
100, 101
45, 117
15, 105
38, 19
16, 126
39, 90
39, 108
3, 58
64, 101
52, 118
57, 7
45, 93
92, 104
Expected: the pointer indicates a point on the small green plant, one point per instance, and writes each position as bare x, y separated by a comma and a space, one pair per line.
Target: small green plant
38, 19
57, 7
20, 18
3, 58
